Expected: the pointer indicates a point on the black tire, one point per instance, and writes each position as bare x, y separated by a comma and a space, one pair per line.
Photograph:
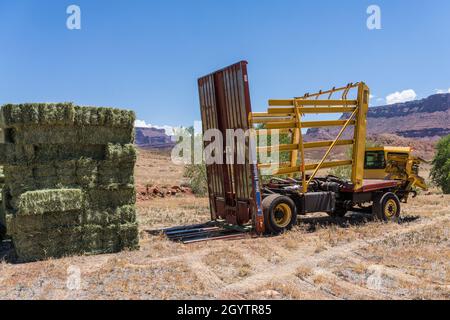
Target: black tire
280, 213
338, 212
2, 232
386, 207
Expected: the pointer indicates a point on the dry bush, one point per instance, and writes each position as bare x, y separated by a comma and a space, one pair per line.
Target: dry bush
303, 272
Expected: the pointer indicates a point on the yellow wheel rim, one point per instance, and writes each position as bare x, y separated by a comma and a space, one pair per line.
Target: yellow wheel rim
390, 209
282, 215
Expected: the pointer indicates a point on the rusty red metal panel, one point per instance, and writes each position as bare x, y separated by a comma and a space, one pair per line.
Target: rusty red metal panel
225, 104
210, 121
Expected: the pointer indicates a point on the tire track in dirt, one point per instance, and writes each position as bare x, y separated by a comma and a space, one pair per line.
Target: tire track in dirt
210, 279
352, 290
203, 273
312, 261
395, 273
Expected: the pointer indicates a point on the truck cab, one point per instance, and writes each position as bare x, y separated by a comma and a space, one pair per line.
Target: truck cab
393, 163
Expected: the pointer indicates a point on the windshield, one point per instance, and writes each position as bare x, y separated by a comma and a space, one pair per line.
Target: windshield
374, 160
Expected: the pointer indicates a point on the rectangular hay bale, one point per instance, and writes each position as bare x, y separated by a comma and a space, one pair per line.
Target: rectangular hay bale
64, 152
46, 222
50, 200
86, 172
64, 114
92, 239
16, 154
127, 214
17, 174
129, 235
121, 153
37, 113
66, 168
110, 117
101, 217
111, 172
36, 135
111, 239
105, 217
104, 198
39, 245
3, 223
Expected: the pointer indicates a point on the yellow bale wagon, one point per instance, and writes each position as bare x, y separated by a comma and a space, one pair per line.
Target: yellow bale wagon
293, 187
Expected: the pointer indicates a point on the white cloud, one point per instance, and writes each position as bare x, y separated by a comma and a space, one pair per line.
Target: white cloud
403, 96
442, 91
142, 124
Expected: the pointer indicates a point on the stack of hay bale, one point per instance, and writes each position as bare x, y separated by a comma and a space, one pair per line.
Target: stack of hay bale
2, 181
2, 213
69, 183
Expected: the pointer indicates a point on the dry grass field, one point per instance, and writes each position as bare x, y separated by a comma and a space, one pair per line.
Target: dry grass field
322, 258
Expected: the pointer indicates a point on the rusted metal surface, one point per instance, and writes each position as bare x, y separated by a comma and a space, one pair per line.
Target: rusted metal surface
373, 185
225, 104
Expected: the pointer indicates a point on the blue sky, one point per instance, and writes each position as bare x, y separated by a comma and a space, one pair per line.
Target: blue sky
147, 55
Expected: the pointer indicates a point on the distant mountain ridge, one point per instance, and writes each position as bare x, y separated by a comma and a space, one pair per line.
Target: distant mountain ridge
434, 103
153, 138
428, 118
418, 124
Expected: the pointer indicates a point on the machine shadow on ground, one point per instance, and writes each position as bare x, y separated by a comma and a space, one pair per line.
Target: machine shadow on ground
312, 223
6, 251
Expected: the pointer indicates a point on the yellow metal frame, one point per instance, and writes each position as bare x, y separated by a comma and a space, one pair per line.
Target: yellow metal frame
285, 116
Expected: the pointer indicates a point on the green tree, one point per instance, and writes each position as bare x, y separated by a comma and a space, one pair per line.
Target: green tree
343, 172
194, 172
440, 173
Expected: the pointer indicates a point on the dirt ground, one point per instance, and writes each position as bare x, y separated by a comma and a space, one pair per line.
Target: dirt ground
322, 258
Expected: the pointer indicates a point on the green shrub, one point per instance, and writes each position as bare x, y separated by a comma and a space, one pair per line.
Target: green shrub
343, 172
197, 180
440, 173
